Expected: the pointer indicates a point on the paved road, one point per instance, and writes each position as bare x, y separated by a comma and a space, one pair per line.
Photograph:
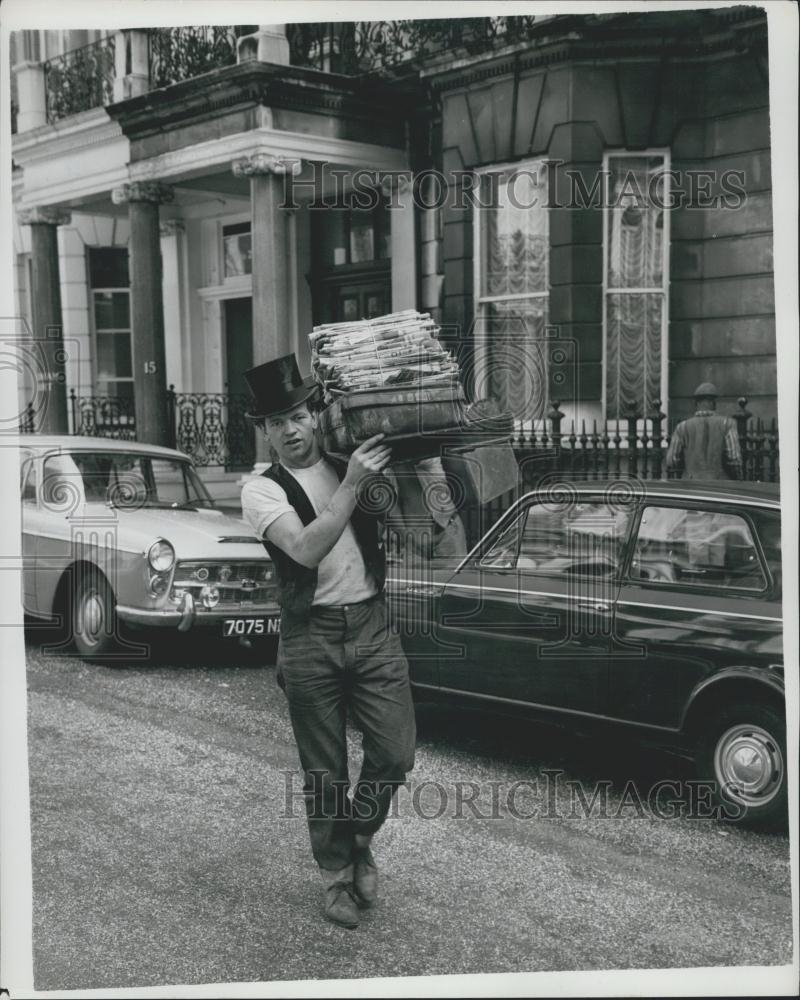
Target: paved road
162, 852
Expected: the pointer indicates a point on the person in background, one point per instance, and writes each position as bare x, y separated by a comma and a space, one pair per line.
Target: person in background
337, 650
706, 446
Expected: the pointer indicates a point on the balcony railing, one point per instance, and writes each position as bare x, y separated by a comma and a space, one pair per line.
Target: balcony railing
176, 54
210, 427
354, 47
84, 78
80, 79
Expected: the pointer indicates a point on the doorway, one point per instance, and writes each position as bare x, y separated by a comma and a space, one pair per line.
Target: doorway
238, 338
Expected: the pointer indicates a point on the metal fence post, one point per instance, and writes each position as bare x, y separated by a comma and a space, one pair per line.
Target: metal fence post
556, 416
631, 416
657, 416
73, 402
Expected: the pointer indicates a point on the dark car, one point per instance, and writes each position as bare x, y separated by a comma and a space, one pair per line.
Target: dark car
654, 605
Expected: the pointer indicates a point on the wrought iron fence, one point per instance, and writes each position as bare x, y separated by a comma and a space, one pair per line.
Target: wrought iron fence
211, 427
80, 79
102, 416
635, 446
353, 47
213, 430
176, 54
84, 78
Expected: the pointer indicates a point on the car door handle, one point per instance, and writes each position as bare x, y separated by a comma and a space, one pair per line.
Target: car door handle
599, 606
424, 591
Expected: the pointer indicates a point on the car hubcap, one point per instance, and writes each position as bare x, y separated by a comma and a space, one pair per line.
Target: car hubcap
749, 764
91, 620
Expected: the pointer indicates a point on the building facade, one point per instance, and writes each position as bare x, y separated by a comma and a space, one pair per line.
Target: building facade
582, 202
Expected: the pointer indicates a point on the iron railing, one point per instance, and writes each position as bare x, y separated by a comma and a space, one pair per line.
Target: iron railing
80, 80
353, 47
212, 429
209, 427
102, 416
84, 78
635, 446
176, 54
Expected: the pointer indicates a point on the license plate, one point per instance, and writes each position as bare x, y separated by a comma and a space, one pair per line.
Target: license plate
237, 627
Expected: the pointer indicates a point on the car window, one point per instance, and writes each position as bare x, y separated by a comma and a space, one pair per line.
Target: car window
689, 547
27, 481
62, 485
169, 481
769, 531
124, 479
583, 538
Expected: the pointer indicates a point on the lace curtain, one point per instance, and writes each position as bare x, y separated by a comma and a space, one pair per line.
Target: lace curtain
514, 285
635, 296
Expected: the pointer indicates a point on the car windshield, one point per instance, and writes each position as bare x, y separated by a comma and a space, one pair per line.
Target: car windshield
122, 479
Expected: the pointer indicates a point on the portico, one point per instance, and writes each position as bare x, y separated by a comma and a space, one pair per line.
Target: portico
180, 168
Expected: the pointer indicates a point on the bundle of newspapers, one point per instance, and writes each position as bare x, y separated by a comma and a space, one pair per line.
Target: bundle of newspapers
399, 348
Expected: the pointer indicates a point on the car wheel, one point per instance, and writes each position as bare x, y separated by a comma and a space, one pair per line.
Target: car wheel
94, 626
743, 753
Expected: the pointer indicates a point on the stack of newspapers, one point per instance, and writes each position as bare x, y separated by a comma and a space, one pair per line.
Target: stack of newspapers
396, 349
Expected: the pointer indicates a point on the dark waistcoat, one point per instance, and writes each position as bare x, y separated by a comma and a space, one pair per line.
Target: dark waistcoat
297, 583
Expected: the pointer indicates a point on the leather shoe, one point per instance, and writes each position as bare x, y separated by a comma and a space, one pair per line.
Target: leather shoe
365, 877
340, 905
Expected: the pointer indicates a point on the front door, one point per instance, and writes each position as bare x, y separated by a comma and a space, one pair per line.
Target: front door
238, 342
238, 317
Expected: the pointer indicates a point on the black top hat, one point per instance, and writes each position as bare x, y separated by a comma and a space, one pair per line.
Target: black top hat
277, 386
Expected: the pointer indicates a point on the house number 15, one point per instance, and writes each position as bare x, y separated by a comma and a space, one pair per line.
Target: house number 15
149, 367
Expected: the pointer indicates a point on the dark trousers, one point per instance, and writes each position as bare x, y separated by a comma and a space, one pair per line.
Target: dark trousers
337, 659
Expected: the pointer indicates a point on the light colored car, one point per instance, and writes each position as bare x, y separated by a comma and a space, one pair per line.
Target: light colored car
117, 533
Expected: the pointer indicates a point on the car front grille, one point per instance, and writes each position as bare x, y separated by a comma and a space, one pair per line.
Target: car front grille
248, 586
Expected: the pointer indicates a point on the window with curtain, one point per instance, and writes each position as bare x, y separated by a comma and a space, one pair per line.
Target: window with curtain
636, 277
513, 287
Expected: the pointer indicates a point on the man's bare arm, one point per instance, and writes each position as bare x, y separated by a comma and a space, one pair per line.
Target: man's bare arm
309, 544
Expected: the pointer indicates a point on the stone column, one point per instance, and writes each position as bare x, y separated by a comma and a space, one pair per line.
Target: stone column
398, 189
272, 333
173, 255
46, 308
147, 309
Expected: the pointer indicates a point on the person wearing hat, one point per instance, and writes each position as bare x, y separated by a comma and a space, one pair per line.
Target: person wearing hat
337, 651
706, 446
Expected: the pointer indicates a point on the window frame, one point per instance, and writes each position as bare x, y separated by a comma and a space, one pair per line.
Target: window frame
717, 590
613, 154
475, 562
482, 342
228, 221
28, 470
114, 331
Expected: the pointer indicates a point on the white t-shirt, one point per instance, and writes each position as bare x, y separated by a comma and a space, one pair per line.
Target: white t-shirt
342, 577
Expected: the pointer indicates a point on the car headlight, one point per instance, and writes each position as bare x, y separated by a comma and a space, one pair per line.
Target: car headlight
209, 595
161, 556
